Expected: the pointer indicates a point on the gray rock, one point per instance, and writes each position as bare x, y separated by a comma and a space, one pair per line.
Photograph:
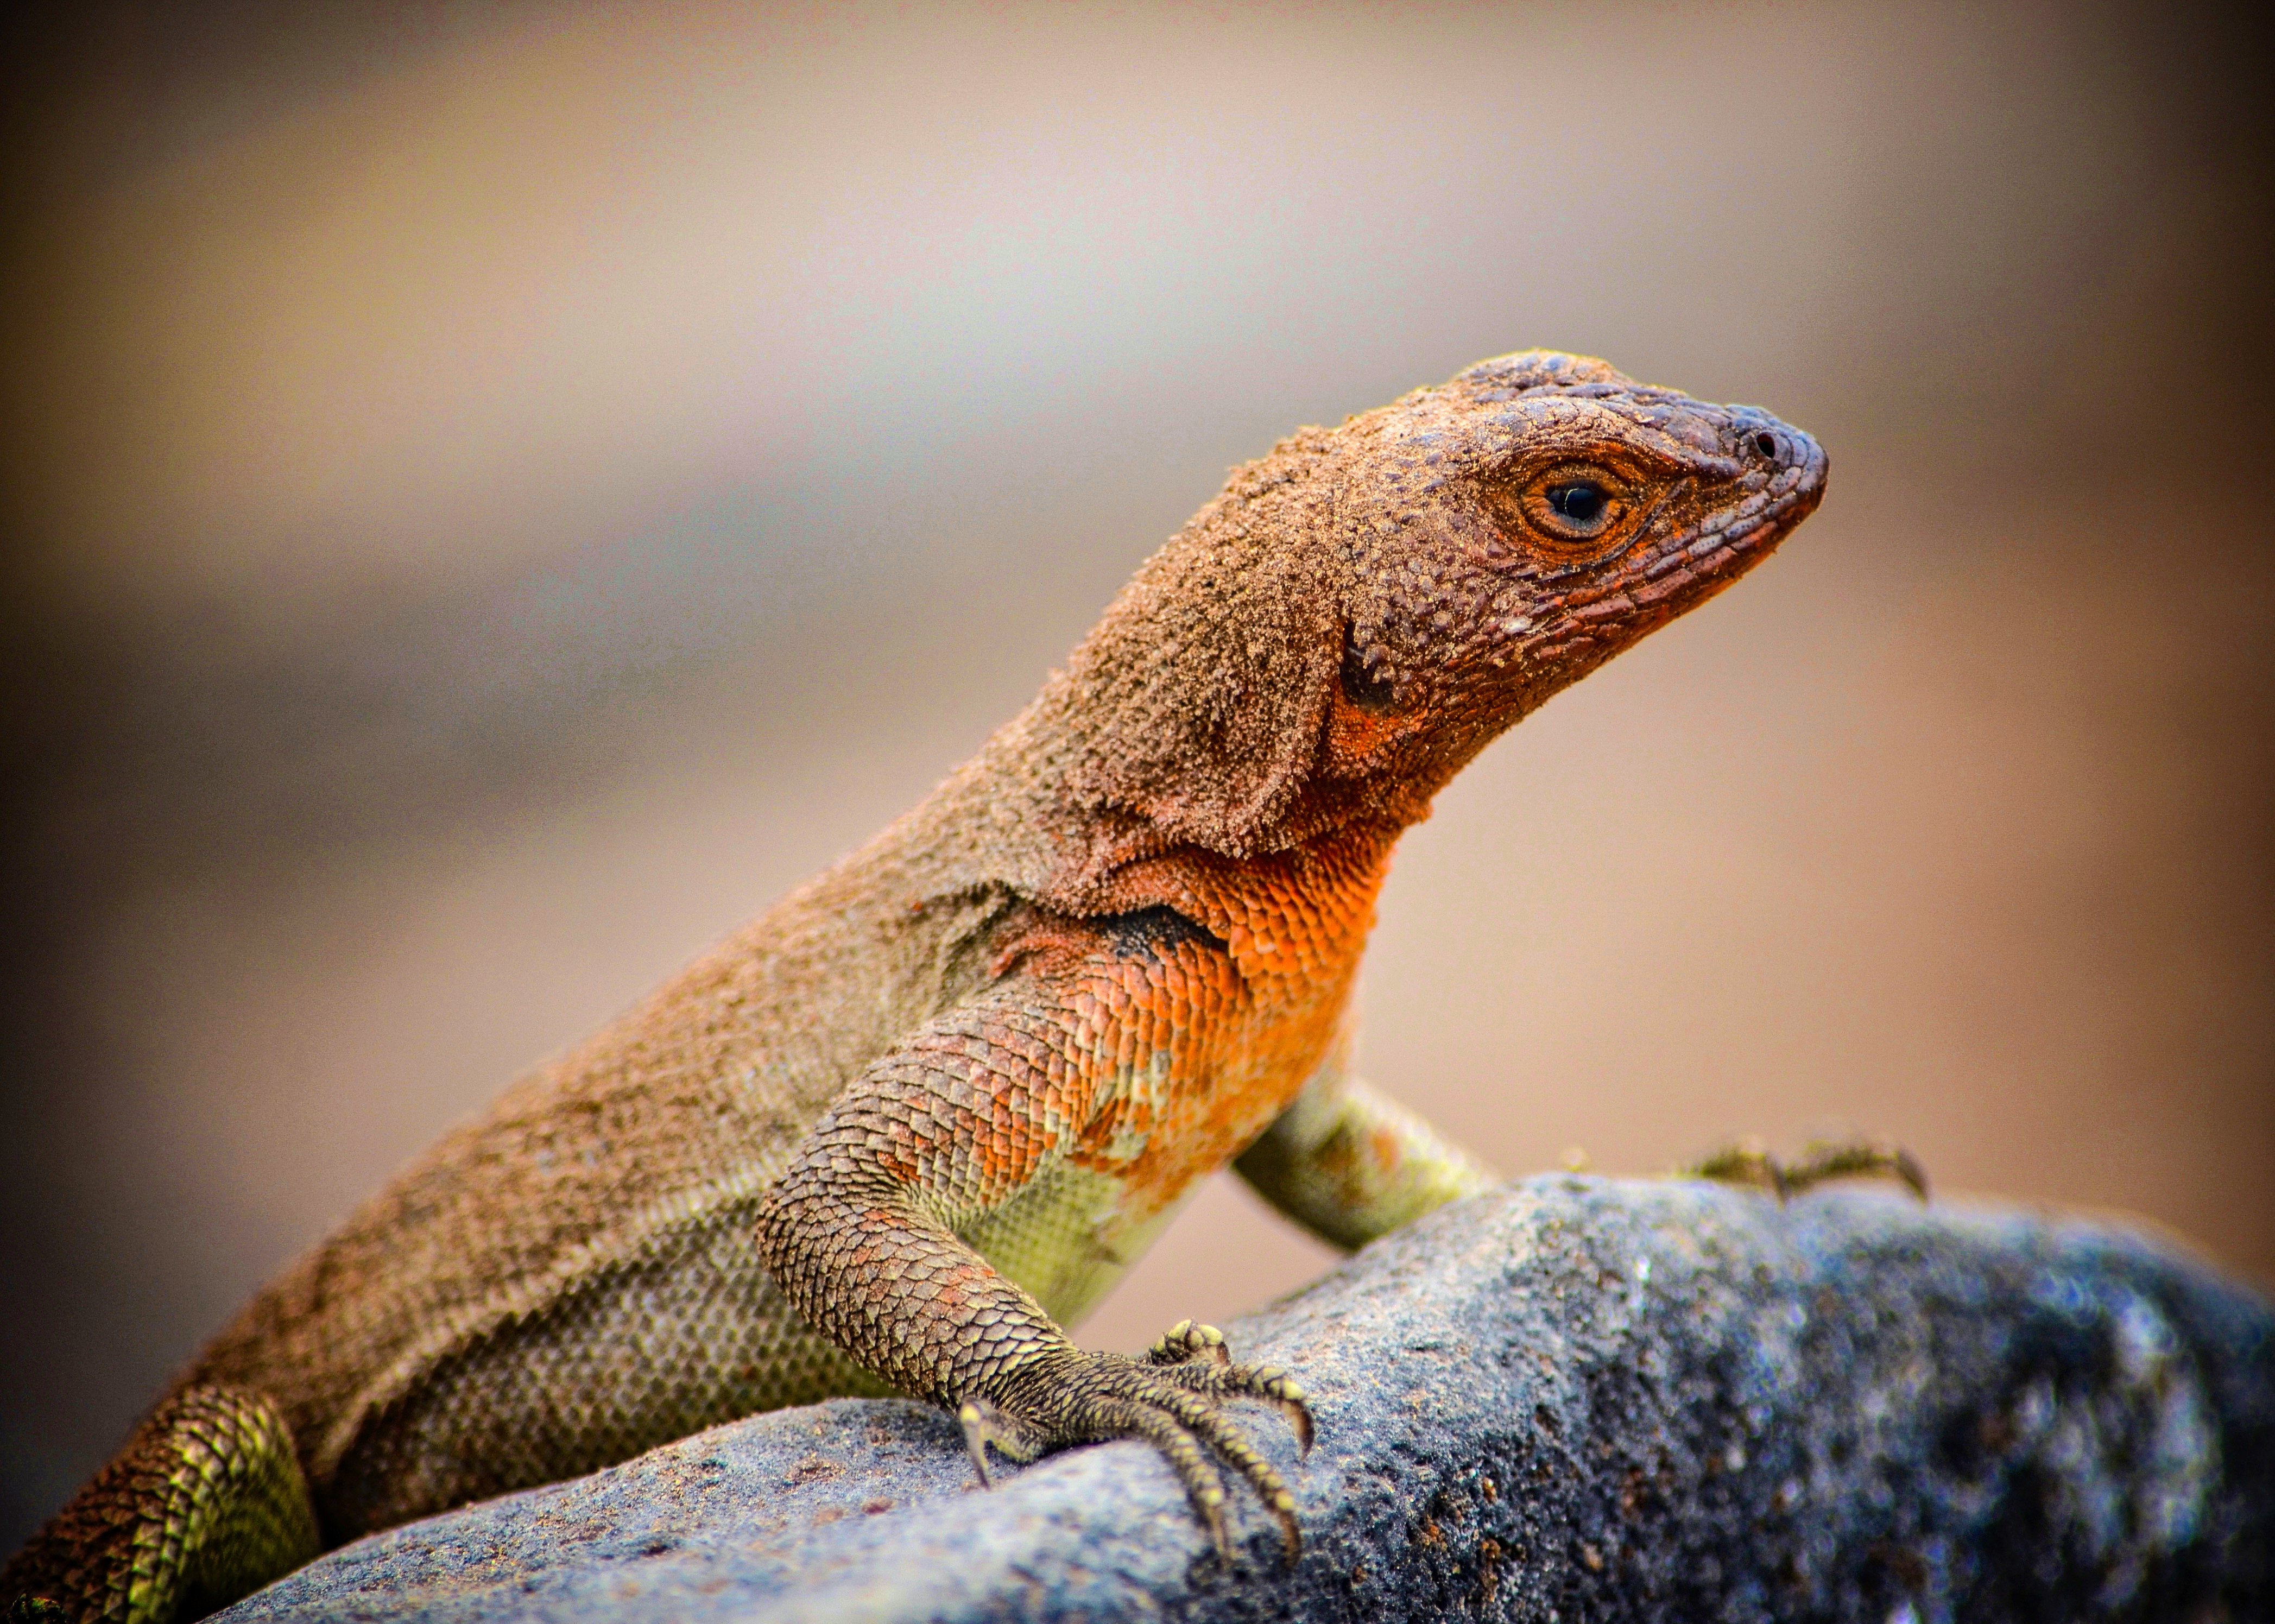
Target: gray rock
1568, 1400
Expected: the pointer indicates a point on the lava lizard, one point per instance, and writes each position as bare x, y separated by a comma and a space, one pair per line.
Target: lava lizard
900, 1131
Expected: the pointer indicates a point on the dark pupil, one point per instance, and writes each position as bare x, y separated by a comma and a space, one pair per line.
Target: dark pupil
1580, 503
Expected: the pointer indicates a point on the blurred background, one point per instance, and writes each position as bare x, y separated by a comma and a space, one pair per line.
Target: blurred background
498, 493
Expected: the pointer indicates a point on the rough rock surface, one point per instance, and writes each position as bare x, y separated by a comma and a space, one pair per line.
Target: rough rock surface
1568, 1400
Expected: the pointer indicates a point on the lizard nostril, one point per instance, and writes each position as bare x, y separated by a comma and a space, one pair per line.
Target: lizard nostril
1766, 443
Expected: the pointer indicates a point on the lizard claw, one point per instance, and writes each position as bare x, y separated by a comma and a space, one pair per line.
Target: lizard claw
1187, 1344
1267, 1382
1173, 1397
1221, 1377
1185, 1341
984, 1424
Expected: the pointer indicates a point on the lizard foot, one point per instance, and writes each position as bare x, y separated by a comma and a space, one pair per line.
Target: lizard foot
1204, 1365
1173, 1397
1748, 1163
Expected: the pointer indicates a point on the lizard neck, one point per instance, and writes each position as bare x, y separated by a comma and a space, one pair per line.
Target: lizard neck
1004, 819
1301, 914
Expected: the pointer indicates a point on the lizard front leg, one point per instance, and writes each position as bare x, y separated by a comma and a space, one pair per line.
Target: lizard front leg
1350, 1164
860, 1233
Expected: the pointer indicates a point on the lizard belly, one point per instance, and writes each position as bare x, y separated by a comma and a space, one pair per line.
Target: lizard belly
1069, 1237
682, 1329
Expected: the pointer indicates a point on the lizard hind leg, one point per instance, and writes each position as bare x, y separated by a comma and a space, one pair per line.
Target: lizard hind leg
206, 1504
1821, 1161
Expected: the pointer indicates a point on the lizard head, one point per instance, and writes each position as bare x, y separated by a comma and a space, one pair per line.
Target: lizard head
1362, 611
1507, 531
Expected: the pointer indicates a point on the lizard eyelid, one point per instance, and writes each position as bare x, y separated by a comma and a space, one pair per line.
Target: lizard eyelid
1568, 513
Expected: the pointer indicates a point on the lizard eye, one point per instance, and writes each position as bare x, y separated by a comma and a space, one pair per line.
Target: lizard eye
1580, 501
1572, 512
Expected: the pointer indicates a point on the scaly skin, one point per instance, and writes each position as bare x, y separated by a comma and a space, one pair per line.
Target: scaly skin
914, 1121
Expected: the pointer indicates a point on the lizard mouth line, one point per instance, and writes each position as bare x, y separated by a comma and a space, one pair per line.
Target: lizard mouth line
1741, 529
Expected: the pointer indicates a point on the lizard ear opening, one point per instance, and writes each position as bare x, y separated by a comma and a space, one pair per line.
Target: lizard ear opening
1203, 695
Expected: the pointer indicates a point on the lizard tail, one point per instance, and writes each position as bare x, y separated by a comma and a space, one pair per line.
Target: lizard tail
206, 1503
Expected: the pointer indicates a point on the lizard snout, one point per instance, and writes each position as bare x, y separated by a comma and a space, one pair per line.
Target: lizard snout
1760, 440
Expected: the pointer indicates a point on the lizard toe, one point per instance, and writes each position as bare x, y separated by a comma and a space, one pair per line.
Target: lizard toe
1133, 1417
1200, 1416
986, 1425
1076, 1397
1748, 1162
1187, 1341
1266, 1382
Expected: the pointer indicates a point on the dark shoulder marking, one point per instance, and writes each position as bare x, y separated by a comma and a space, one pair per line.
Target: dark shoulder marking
1157, 931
